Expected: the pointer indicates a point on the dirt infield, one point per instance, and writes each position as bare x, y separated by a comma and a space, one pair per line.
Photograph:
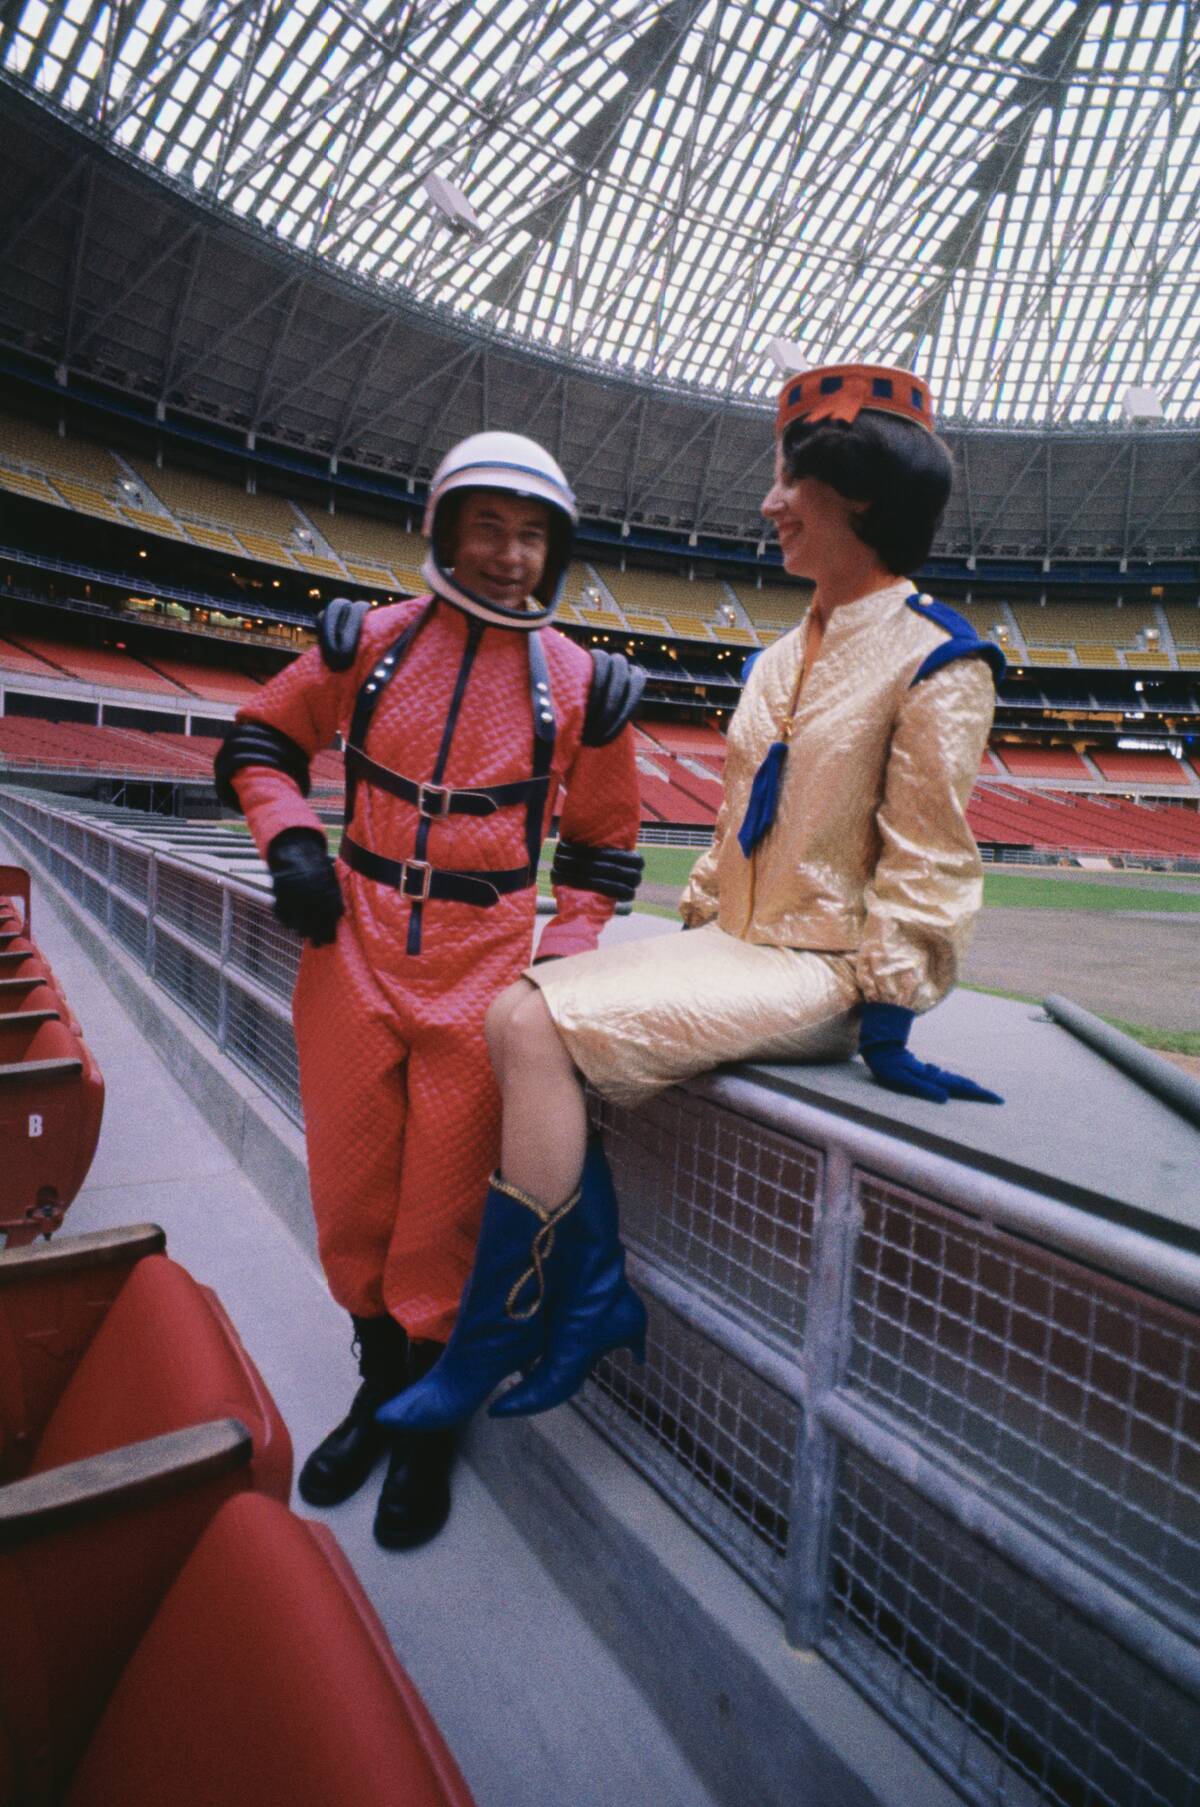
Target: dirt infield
1142, 968
1137, 965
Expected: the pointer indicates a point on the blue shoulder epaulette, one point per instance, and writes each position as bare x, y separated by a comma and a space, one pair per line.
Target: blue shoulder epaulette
964, 642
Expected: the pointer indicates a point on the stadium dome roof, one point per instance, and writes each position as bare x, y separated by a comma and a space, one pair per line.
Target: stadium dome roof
1002, 193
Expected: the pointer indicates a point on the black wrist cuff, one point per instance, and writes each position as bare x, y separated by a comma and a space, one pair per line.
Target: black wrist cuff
257, 743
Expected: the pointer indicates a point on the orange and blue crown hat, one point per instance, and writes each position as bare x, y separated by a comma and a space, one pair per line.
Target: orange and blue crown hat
842, 391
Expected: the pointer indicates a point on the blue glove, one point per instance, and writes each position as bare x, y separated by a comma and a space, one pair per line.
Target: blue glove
881, 1042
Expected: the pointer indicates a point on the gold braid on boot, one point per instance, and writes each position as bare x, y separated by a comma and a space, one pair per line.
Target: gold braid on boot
539, 1249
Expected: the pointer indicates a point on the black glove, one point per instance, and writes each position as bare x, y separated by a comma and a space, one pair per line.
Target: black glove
881, 1042
308, 897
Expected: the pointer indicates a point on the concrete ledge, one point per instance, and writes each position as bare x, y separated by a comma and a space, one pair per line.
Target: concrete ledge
266, 1145
759, 1721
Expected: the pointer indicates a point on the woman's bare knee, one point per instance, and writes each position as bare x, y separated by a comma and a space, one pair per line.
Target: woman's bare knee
532, 1029
500, 1010
521, 1034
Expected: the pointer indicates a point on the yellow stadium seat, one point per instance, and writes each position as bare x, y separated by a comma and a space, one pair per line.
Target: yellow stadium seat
23, 483
1088, 653
214, 538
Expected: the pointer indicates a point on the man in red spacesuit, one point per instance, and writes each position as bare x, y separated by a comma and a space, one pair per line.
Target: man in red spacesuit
462, 714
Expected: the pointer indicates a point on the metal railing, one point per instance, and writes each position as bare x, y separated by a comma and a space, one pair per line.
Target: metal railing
947, 1427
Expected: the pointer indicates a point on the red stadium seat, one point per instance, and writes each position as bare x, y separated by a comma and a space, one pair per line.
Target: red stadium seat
265, 1678
114, 1365
51, 1091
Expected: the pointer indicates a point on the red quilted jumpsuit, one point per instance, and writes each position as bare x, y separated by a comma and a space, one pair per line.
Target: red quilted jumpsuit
401, 1110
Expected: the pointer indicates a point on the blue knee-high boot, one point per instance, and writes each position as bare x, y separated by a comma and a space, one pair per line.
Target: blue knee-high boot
591, 1309
500, 1327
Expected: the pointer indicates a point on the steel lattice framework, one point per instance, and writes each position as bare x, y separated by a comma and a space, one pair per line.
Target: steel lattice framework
1001, 192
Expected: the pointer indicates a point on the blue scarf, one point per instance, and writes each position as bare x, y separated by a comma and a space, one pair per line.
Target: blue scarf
764, 797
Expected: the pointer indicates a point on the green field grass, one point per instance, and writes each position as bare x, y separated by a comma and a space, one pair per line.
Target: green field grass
1026, 891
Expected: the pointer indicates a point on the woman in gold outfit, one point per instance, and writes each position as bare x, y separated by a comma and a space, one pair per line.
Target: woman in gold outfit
832, 907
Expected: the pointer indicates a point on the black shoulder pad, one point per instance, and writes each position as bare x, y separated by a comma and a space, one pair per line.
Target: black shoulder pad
615, 693
338, 628
257, 743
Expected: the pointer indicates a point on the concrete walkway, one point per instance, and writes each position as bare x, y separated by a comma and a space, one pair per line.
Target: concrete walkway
534, 1706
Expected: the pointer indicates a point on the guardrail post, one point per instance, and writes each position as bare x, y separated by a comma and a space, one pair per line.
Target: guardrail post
151, 907
827, 1333
223, 981
110, 879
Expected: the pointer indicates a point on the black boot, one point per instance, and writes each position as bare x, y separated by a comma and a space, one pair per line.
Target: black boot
339, 1465
415, 1501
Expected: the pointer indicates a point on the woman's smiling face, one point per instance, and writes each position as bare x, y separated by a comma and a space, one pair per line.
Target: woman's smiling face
813, 521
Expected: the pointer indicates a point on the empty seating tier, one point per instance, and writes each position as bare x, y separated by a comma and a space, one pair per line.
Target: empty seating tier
192, 496
375, 545
1139, 768
688, 608
1078, 824
105, 666
775, 608
1042, 762
51, 1091
694, 738
80, 461
208, 681
1097, 631
1184, 623
26, 742
29, 664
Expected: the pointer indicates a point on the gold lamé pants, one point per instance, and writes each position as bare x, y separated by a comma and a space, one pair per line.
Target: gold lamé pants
647, 1014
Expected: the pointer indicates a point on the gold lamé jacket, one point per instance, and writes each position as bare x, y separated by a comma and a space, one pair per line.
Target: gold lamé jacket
870, 852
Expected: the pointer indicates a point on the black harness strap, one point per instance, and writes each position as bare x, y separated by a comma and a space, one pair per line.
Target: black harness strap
544, 730
417, 878
367, 700
438, 800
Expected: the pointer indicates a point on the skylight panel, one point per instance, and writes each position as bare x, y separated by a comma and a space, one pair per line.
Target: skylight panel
868, 154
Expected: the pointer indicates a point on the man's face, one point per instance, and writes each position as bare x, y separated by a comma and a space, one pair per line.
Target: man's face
500, 545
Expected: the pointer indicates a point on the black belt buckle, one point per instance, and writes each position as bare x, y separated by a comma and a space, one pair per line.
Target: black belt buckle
424, 874
441, 794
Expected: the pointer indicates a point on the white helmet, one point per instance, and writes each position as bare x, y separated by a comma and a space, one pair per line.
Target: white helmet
520, 467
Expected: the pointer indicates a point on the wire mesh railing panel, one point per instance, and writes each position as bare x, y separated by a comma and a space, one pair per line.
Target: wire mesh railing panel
129, 927
191, 903
132, 870
264, 1045
190, 979
715, 1439
94, 895
95, 852
75, 839
1017, 1697
70, 875
261, 947
716, 1199
1075, 1394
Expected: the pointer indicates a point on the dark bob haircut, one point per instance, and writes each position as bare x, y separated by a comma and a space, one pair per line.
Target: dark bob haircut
902, 470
